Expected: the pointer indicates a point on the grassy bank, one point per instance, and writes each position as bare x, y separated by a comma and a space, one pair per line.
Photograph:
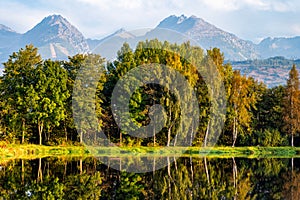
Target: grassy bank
36, 151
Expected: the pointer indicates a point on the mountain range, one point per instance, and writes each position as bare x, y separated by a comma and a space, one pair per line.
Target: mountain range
56, 38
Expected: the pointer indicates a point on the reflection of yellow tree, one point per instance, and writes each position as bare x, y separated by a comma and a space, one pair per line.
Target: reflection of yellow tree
292, 185
173, 184
244, 184
212, 180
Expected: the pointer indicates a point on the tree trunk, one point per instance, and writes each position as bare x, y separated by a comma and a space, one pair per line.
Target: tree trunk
192, 133
48, 134
206, 134
23, 171
45, 137
40, 172
292, 164
234, 169
66, 133
207, 177
80, 136
23, 131
154, 133
40, 127
170, 177
175, 140
192, 171
169, 136
169, 129
65, 171
206, 171
234, 132
169, 167
169, 188
292, 139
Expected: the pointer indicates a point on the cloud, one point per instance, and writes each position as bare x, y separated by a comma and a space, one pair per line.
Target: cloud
262, 5
19, 16
222, 5
282, 6
130, 14
296, 29
110, 5
256, 4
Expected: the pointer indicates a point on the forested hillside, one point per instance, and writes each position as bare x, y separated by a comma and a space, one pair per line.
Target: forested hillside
272, 71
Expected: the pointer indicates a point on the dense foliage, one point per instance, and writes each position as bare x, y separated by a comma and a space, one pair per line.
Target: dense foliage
36, 99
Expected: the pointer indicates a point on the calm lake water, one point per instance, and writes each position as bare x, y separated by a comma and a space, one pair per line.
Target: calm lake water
187, 178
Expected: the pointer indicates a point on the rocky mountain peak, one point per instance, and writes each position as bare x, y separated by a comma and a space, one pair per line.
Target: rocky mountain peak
177, 23
57, 21
181, 19
208, 35
58, 34
4, 28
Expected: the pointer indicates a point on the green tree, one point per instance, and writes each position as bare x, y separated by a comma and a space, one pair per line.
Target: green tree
84, 101
47, 97
72, 66
269, 113
16, 81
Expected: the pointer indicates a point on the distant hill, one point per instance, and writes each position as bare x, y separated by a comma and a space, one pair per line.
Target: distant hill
8, 36
272, 71
8, 40
287, 47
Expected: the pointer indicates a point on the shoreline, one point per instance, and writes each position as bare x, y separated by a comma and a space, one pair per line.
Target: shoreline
36, 151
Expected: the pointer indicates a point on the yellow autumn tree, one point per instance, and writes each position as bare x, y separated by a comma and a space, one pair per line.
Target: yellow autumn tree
292, 104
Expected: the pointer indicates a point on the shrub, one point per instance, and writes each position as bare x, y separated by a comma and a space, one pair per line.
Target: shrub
270, 138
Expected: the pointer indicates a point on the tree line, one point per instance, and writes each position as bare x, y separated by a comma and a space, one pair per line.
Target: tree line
37, 97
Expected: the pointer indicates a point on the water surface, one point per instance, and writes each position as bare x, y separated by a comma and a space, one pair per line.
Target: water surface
184, 178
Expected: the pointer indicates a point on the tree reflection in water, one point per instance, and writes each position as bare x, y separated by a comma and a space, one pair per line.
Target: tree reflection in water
186, 178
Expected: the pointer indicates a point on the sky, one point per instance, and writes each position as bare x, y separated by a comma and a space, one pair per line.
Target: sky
248, 19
